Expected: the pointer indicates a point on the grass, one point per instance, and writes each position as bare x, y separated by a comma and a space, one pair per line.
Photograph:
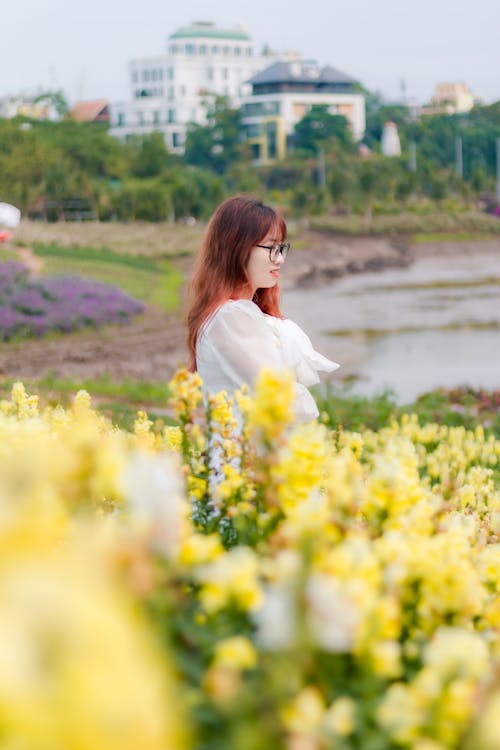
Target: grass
431, 237
155, 281
436, 224
145, 239
444, 284
375, 332
7, 253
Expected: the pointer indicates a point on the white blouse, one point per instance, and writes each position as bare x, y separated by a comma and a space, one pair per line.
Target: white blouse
238, 340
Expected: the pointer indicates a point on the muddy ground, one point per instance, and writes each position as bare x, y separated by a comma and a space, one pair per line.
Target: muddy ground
152, 347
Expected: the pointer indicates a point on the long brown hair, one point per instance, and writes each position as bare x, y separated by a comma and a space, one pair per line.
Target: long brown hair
238, 224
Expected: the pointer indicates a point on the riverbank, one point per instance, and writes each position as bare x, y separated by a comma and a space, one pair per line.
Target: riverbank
152, 347
321, 259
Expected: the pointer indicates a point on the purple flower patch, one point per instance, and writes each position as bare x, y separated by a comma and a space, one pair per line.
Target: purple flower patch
61, 303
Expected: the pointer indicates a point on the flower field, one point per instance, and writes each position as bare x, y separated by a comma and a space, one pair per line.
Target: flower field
238, 582
59, 303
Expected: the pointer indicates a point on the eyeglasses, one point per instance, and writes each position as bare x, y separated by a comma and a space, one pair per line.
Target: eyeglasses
279, 248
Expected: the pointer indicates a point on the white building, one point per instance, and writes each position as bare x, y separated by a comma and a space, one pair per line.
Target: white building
169, 91
284, 92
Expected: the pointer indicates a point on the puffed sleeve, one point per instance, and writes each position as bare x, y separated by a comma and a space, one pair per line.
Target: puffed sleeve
242, 343
304, 405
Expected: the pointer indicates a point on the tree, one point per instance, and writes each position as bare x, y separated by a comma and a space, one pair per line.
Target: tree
57, 99
216, 145
149, 155
318, 128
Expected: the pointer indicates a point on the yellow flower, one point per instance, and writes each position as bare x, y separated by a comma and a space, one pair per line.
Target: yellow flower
172, 438
142, 430
386, 658
199, 549
306, 712
232, 576
186, 393
271, 411
339, 718
235, 653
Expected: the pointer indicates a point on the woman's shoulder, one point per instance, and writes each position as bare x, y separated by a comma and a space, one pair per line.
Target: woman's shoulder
237, 307
232, 310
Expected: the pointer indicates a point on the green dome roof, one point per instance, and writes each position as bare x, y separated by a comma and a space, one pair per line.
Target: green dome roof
208, 30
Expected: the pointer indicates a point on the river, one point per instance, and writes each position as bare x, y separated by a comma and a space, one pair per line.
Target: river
435, 323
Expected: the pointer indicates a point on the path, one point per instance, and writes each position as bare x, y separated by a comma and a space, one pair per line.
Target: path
30, 260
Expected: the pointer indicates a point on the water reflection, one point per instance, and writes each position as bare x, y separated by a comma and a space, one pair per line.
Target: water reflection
436, 323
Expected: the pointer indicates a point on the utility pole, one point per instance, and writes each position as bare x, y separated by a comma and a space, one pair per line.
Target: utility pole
498, 170
321, 168
413, 156
459, 161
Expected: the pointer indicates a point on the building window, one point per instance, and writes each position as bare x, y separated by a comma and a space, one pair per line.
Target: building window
225, 50
156, 117
183, 91
249, 52
258, 109
145, 75
176, 140
170, 93
215, 50
140, 118
253, 131
121, 120
224, 74
170, 74
203, 49
272, 108
171, 115
173, 49
160, 74
135, 77
237, 51
190, 49
153, 74
271, 134
210, 74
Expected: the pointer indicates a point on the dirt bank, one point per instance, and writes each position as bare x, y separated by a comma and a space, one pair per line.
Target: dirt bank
324, 258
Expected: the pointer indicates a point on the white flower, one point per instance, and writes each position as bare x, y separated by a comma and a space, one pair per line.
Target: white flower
154, 490
275, 618
332, 613
455, 652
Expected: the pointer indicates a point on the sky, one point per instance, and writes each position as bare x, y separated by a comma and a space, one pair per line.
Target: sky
83, 48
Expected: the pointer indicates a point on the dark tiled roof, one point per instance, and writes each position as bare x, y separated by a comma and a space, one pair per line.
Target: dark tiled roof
300, 71
332, 75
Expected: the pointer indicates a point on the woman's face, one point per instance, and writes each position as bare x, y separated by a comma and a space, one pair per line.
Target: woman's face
261, 271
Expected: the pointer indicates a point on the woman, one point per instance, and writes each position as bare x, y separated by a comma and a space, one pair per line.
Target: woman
235, 327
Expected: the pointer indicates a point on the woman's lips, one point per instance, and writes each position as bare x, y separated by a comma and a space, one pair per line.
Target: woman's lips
275, 273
